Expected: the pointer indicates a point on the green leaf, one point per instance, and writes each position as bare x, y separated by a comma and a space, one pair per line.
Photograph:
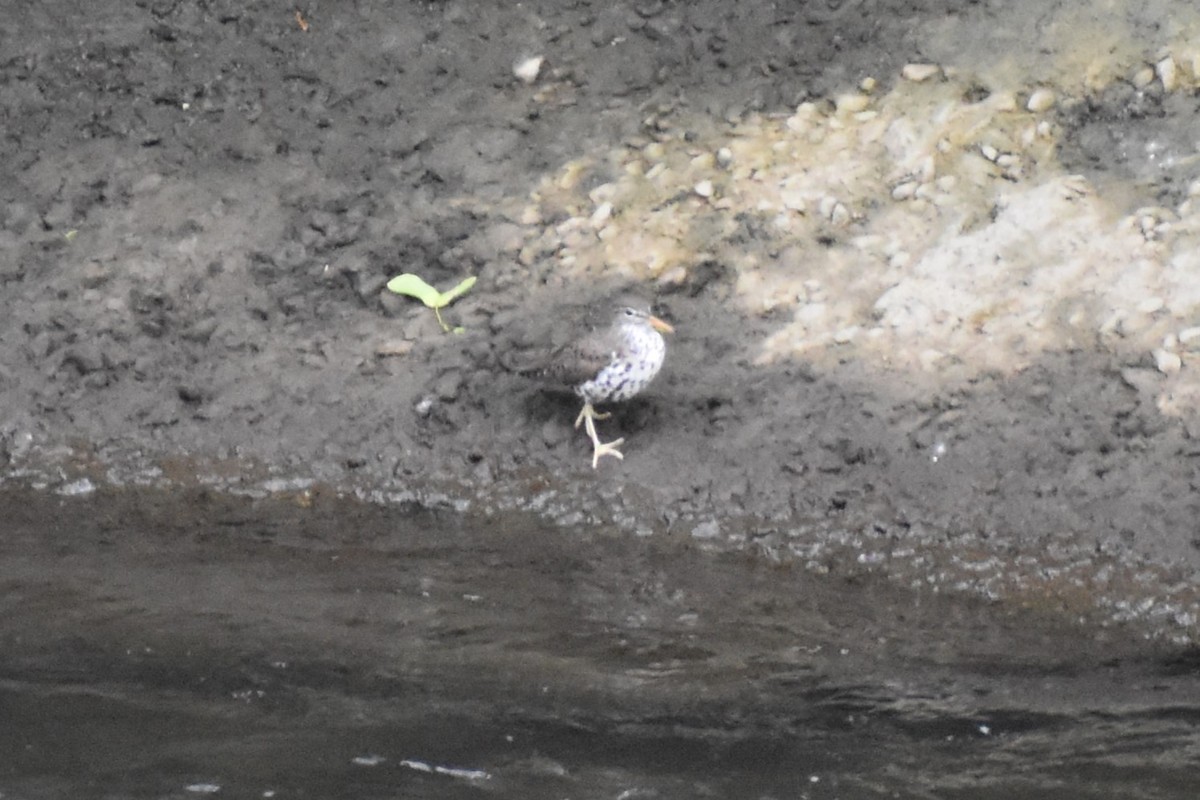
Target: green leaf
413, 286
446, 298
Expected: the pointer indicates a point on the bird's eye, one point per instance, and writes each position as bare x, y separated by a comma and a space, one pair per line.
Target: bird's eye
629, 312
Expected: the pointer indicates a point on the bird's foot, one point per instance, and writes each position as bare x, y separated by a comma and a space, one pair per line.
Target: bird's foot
599, 448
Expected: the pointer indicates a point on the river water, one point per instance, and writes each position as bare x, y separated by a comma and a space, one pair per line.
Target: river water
186, 644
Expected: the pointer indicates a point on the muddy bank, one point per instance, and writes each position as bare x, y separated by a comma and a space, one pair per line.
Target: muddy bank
203, 205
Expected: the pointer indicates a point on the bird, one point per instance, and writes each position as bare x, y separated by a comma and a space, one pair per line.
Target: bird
608, 362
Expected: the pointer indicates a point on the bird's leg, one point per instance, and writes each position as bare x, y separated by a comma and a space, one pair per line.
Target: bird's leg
588, 416
589, 413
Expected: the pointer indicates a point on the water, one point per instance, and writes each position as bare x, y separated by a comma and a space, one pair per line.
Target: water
188, 645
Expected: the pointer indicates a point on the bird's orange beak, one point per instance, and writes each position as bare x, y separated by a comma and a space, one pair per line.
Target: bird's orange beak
661, 326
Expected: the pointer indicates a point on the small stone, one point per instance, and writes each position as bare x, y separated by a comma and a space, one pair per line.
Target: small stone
709, 529
1143, 77
1151, 305
1168, 363
724, 157
704, 188
868, 84
394, 347
1168, 73
1140, 380
527, 69
147, 183
920, 72
602, 214
847, 335
793, 200
1190, 338
905, 190
852, 103
826, 206
1041, 100
989, 152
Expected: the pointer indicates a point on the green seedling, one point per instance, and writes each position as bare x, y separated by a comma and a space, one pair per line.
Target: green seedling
414, 286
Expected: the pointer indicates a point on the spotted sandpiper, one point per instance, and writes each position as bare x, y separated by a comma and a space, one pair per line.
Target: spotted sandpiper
608, 364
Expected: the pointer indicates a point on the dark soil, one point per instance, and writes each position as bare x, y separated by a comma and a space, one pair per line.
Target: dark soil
201, 203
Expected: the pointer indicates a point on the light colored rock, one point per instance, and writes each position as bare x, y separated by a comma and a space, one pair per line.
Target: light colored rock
793, 200
1150, 305
1143, 77
1168, 363
920, 72
905, 190
840, 215
528, 69
602, 214
989, 152
724, 157
847, 335
1040, 100
852, 103
1168, 73
1190, 338
394, 347
704, 188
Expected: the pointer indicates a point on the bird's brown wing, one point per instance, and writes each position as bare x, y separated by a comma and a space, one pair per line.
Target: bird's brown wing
579, 361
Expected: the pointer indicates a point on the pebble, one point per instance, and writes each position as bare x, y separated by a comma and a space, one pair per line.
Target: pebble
724, 157
793, 200
852, 103
920, 72
602, 214
527, 69
1143, 77
1168, 73
394, 347
989, 152
1168, 363
905, 190
1041, 100
1151, 305
1190, 338
847, 335
704, 188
